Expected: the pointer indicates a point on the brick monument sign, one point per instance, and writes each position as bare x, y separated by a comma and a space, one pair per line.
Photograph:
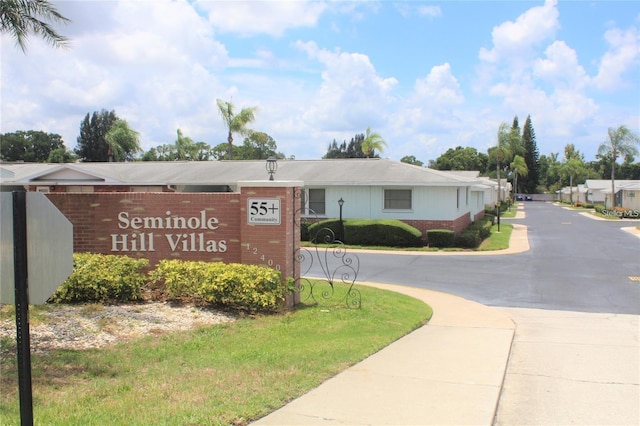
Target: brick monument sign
256, 225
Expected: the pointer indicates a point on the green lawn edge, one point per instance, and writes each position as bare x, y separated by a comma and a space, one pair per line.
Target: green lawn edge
218, 375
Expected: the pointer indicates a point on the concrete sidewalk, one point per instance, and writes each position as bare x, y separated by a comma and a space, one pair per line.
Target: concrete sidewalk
449, 371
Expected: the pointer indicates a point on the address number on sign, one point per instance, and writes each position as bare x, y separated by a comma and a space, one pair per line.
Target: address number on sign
263, 211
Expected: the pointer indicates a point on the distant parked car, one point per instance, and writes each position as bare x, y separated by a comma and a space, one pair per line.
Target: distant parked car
528, 198
518, 197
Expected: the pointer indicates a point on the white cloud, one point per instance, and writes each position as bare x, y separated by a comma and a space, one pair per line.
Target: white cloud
510, 38
262, 17
561, 67
440, 87
623, 56
352, 95
431, 11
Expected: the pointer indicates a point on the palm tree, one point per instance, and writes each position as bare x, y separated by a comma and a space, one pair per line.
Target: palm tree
236, 123
20, 18
519, 168
502, 151
122, 141
572, 168
371, 142
622, 142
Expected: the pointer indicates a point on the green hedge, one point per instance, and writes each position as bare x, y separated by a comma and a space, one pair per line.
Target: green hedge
475, 233
102, 278
247, 287
367, 232
440, 238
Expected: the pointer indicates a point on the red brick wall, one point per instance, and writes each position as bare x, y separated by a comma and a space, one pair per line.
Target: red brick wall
104, 222
457, 225
97, 228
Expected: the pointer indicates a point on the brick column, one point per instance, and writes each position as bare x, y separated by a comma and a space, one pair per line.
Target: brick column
264, 242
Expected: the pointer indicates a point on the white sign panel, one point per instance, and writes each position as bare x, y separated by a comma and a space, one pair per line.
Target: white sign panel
49, 248
263, 211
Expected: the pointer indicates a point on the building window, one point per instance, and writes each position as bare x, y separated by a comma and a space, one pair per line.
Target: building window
397, 199
315, 204
458, 198
79, 188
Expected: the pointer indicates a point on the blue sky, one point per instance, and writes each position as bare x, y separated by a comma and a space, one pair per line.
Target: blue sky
427, 76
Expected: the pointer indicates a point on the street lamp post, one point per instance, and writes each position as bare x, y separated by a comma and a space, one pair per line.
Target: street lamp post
341, 203
272, 166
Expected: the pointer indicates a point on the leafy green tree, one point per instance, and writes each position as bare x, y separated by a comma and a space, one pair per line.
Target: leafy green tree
570, 151
91, 144
573, 168
21, 18
371, 142
183, 149
515, 142
32, 146
61, 155
621, 142
352, 150
628, 169
236, 123
519, 168
122, 142
502, 153
531, 157
552, 176
258, 146
460, 158
411, 159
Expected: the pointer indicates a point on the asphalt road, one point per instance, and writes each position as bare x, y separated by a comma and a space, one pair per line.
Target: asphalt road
575, 263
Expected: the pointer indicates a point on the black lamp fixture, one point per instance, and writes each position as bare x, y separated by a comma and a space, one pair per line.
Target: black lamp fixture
272, 166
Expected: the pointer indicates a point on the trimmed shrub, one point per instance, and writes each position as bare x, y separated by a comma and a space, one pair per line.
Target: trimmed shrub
440, 238
246, 287
304, 231
102, 278
599, 208
469, 238
367, 232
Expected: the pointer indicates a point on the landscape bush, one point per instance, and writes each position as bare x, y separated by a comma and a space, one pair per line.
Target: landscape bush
367, 232
440, 238
475, 233
102, 278
304, 231
244, 287
469, 238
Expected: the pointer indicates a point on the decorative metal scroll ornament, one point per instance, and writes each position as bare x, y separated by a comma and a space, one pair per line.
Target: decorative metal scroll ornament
339, 268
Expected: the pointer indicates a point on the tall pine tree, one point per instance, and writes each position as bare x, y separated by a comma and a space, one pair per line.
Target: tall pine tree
531, 157
92, 145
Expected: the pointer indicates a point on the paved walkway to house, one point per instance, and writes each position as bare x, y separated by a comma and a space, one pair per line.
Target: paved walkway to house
449, 372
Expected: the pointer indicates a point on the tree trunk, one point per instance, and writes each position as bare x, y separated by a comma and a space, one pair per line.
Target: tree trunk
613, 180
230, 140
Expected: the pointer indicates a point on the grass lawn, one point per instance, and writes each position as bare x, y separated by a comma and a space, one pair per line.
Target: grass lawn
219, 375
498, 240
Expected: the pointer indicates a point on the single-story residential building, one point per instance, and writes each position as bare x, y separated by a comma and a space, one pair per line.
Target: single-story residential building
370, 188
626, 192
576, 194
